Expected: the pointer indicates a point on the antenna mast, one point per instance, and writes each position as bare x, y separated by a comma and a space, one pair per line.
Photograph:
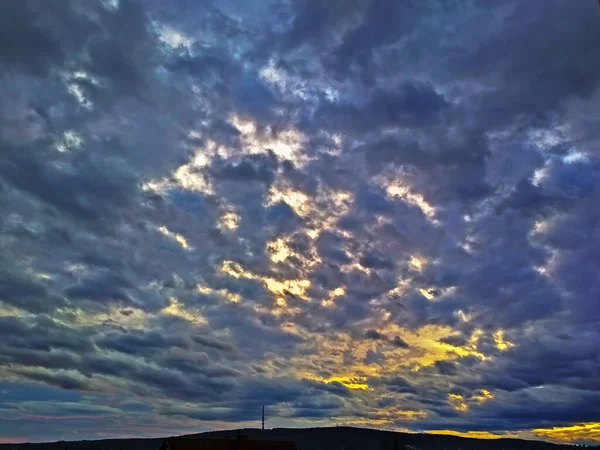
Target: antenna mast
263, 417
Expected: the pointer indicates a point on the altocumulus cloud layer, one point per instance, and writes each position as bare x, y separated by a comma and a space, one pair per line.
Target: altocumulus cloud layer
368, 212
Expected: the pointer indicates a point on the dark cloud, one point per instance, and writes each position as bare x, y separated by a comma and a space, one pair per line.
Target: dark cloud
42, 334
27, 294
373, 261
399, 342
398, 385
252, 168
254, 98
455, 340
36, 37
412, 103
549, 82
375, 335
382, 23
446, 368
139, 343
60, 380
102, 289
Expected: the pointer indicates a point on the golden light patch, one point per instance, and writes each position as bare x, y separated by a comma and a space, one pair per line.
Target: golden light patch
8, 310
313, 234
484, 396
189, 177
338, 291
340, 200
175, 308
131, 318
408, 415
427, 339
336, 203
330, 301
354, 267
394, 413
350, 382
282, 309
329, 206
278, 250
427, 293
468, 434
297, 200
341, 355
416, 263
320, 212
396, 189
295, 287
179, 238
277, 287
235, 270
287, 144
457, 402
500, 342
386, 417
221, 293
401, 289
229, 221
587, 431
292, 328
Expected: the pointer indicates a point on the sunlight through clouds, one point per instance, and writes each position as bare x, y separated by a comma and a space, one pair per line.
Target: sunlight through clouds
229, 221
177, 309
457, 402
221, 293
501, 343
358, 212
278, 287
180, 239
286, 144
396, 188
588, 431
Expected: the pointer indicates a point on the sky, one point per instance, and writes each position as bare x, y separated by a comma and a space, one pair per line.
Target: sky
355, 212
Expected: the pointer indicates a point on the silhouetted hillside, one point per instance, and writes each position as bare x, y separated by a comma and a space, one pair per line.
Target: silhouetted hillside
335, 438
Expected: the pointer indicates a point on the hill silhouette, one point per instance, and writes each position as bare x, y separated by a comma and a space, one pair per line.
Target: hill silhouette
331, 438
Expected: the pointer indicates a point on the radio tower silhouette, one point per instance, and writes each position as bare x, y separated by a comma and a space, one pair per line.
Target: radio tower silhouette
263, 417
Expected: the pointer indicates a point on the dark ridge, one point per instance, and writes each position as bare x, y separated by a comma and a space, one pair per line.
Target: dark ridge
330, 438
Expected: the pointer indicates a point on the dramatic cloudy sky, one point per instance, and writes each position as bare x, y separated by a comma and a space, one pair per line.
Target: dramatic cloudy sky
363, 212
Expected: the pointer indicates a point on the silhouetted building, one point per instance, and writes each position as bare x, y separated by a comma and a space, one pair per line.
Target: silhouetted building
238, 443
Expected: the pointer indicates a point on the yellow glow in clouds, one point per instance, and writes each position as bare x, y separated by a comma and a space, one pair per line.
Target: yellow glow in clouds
588, 431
